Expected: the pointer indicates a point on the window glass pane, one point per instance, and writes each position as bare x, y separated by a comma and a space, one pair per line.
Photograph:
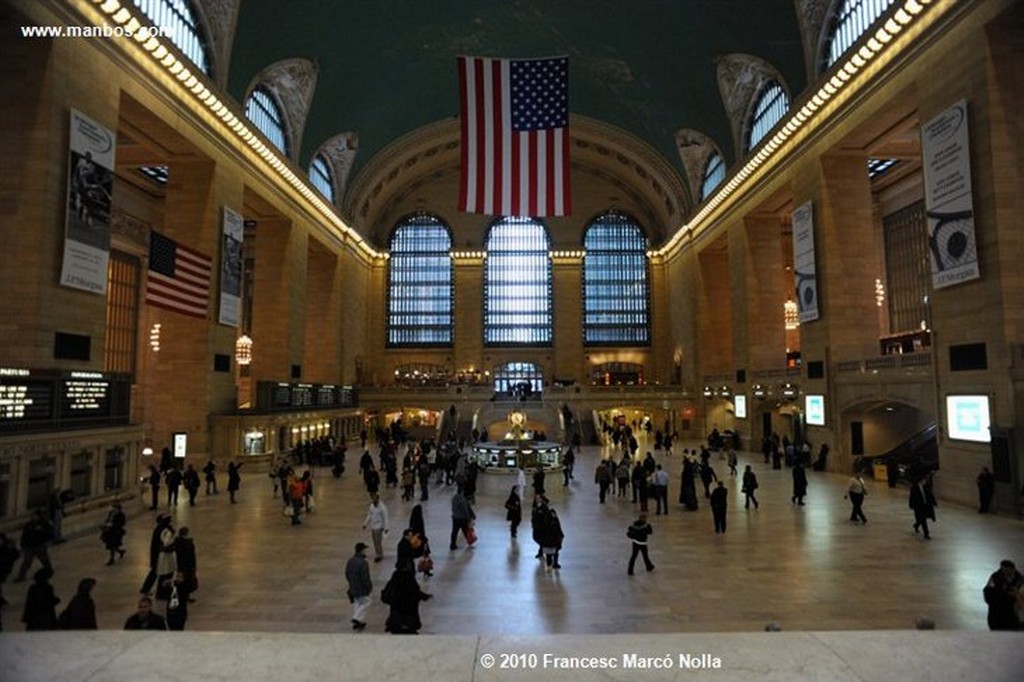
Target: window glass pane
854, 18
179, 19
615, 291
714, 173
323, 179
420, 294
771, 107
517, 284
263, 111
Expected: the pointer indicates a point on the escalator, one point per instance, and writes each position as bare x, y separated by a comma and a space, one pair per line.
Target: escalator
913, 458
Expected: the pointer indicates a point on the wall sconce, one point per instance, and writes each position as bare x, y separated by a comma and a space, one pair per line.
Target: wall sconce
708, 392
147, 451
879, 292
154, 337
243, 351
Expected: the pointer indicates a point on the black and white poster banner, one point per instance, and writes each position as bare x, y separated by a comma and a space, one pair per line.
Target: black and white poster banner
947, 194
804, 271
87, 224
231, 268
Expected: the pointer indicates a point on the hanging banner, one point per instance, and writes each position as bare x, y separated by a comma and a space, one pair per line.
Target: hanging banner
231, 268
946, 153
804, 271
90, 187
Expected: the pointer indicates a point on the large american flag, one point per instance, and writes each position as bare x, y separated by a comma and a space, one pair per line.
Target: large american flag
515, 136
179, 278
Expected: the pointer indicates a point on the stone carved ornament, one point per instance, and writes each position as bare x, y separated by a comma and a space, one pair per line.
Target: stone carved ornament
292, 82
341, 151
812, 16
740, 78
695, 148
220, 18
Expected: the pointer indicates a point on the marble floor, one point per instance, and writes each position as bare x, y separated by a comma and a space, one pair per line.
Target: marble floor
806, 568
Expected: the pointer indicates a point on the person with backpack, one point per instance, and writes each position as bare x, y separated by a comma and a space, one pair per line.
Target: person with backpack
638, 532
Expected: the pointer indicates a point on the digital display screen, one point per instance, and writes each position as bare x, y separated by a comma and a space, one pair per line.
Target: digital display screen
968, 418
25, 400
814, 408
740, 406
85, 398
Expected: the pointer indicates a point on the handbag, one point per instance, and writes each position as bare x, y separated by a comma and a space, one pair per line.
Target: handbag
173, 602
470, 533
426, 565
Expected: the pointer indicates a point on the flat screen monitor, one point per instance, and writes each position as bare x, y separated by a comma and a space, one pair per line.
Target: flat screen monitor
968, 418
739, 403
814, 408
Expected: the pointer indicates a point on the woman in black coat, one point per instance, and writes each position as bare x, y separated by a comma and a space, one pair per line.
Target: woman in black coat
80, 613
234, 479
799, 484
114, 531
41, 603
403, 595
514, 510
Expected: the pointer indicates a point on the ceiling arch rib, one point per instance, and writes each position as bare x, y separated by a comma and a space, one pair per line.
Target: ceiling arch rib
695, 148
219, 17
293, 83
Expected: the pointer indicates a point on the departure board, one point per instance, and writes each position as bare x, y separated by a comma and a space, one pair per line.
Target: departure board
25, 400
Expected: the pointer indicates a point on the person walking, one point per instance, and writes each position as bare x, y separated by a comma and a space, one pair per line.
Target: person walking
360, 586
551, 539
35, 537
154, 487
719, 505
185, 560
403, 595
191, 484
462, 516
377, 521
513, 511
639, 531
749, 486
799, 483
603, 478
80, 613
210, 471
234, 479
856, 491
9, 555
57, 512
660, 481
177, 595
173, 479
922, 501
1004, 594
114, 531
161, 554
144, 618
40, 611
986, 490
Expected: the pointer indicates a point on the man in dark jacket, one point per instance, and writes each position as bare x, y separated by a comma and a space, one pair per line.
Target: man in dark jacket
719, 503
145, 619
185, 558
35, 536
922, 501
462, 515
173, 479
1003, 593
357, 573
638, 532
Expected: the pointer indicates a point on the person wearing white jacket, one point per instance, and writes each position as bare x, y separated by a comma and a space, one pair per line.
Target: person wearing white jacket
377, 521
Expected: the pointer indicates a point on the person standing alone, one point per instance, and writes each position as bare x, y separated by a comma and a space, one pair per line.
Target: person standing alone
638, 532
377, 521
719, 505
856, 493
357, 573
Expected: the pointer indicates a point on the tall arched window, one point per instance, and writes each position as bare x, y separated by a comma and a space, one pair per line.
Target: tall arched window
714, 173
615, 292
517, 284
322, 177
420, 294
263, 111
772, 105
179, 18
851, 22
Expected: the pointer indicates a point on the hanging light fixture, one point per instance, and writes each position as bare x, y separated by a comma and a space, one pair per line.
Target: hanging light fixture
790, 314
243, 351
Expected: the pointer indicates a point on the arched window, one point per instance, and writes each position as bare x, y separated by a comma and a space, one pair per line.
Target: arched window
852, 20
772, 105
615, 309
714, 173
263, 111
322, 177
517, 284
420, 294
179, 19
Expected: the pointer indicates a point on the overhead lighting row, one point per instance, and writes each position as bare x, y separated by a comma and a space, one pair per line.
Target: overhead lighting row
123, 16
874, 46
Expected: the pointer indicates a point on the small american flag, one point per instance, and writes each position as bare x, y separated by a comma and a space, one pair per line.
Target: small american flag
179, 278
515, 136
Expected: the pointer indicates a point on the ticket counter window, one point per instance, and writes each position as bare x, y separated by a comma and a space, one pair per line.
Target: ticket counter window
81, 474
40, 482
113, 469
255, 443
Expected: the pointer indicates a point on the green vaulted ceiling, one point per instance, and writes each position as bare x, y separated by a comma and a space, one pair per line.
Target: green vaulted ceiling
388, 67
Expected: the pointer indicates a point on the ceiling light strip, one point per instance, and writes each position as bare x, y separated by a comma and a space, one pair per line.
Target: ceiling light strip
193, 87
808, 115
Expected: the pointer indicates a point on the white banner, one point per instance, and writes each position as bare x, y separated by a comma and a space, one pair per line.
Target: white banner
947, 195
231, 268
804, 272
87, 223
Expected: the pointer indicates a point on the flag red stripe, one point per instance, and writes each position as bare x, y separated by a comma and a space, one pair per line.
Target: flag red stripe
481, 136
499, 129
464, 125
